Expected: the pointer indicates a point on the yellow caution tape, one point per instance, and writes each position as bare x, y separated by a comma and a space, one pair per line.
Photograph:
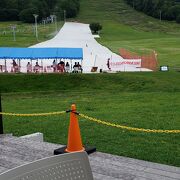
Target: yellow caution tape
34, 114
127, 127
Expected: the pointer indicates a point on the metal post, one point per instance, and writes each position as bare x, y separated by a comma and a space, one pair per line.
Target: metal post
1, 118
5, 63
35, 16
19, 65
13, 27
95, 60
52, 18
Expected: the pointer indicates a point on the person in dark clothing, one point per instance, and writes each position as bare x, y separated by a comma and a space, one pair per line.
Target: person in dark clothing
79, 67
67, 67
108, 64
75, 68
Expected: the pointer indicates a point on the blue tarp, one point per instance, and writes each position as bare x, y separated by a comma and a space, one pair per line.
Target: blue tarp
4, 52
41, 53
45, 53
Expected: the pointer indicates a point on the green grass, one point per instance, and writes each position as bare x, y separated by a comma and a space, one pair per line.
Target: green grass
123, 27
145, 100
120, 82
25, 34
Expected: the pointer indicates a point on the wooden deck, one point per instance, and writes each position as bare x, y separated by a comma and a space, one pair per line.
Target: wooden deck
15, 151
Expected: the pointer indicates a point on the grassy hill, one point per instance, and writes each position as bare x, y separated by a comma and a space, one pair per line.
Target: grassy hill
25, 33
120, 82
123, 27
143, 100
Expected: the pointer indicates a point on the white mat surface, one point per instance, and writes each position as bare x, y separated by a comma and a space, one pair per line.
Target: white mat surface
78, 35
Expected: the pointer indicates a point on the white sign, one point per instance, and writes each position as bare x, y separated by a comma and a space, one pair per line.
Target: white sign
164, 68
126, 63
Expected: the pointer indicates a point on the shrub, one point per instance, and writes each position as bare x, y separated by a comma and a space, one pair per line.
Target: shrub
26, 15
71, 7
95, 27
3, 15
12, 14
8, 14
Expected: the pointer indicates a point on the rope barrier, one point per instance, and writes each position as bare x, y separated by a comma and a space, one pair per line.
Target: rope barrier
127, 127
97, 121
34, 114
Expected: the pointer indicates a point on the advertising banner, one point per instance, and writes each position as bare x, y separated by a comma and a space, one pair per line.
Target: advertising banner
125, 64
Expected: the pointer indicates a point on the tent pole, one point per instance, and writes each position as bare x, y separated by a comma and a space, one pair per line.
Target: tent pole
71, 65
95, 60
41, 65
81, 66
19, 64
5, 63
31, 66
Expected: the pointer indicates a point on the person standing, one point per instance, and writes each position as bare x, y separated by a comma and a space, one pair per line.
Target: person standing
36, 67
15, 66
108, 64
62, 66
79, 67
54, 65
67, 67
29, 67
75, 68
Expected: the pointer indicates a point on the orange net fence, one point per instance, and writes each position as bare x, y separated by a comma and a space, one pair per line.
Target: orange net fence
148, 61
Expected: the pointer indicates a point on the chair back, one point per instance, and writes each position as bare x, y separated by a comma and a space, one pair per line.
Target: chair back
71, 166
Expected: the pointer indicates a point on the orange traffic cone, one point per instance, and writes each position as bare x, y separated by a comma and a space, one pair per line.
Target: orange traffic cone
74, 136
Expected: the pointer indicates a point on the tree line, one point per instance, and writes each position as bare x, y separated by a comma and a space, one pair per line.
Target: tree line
23, 10
162, 9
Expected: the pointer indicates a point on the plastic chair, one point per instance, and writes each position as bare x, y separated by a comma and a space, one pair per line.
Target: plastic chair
71, 166
48, 69
2, 68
